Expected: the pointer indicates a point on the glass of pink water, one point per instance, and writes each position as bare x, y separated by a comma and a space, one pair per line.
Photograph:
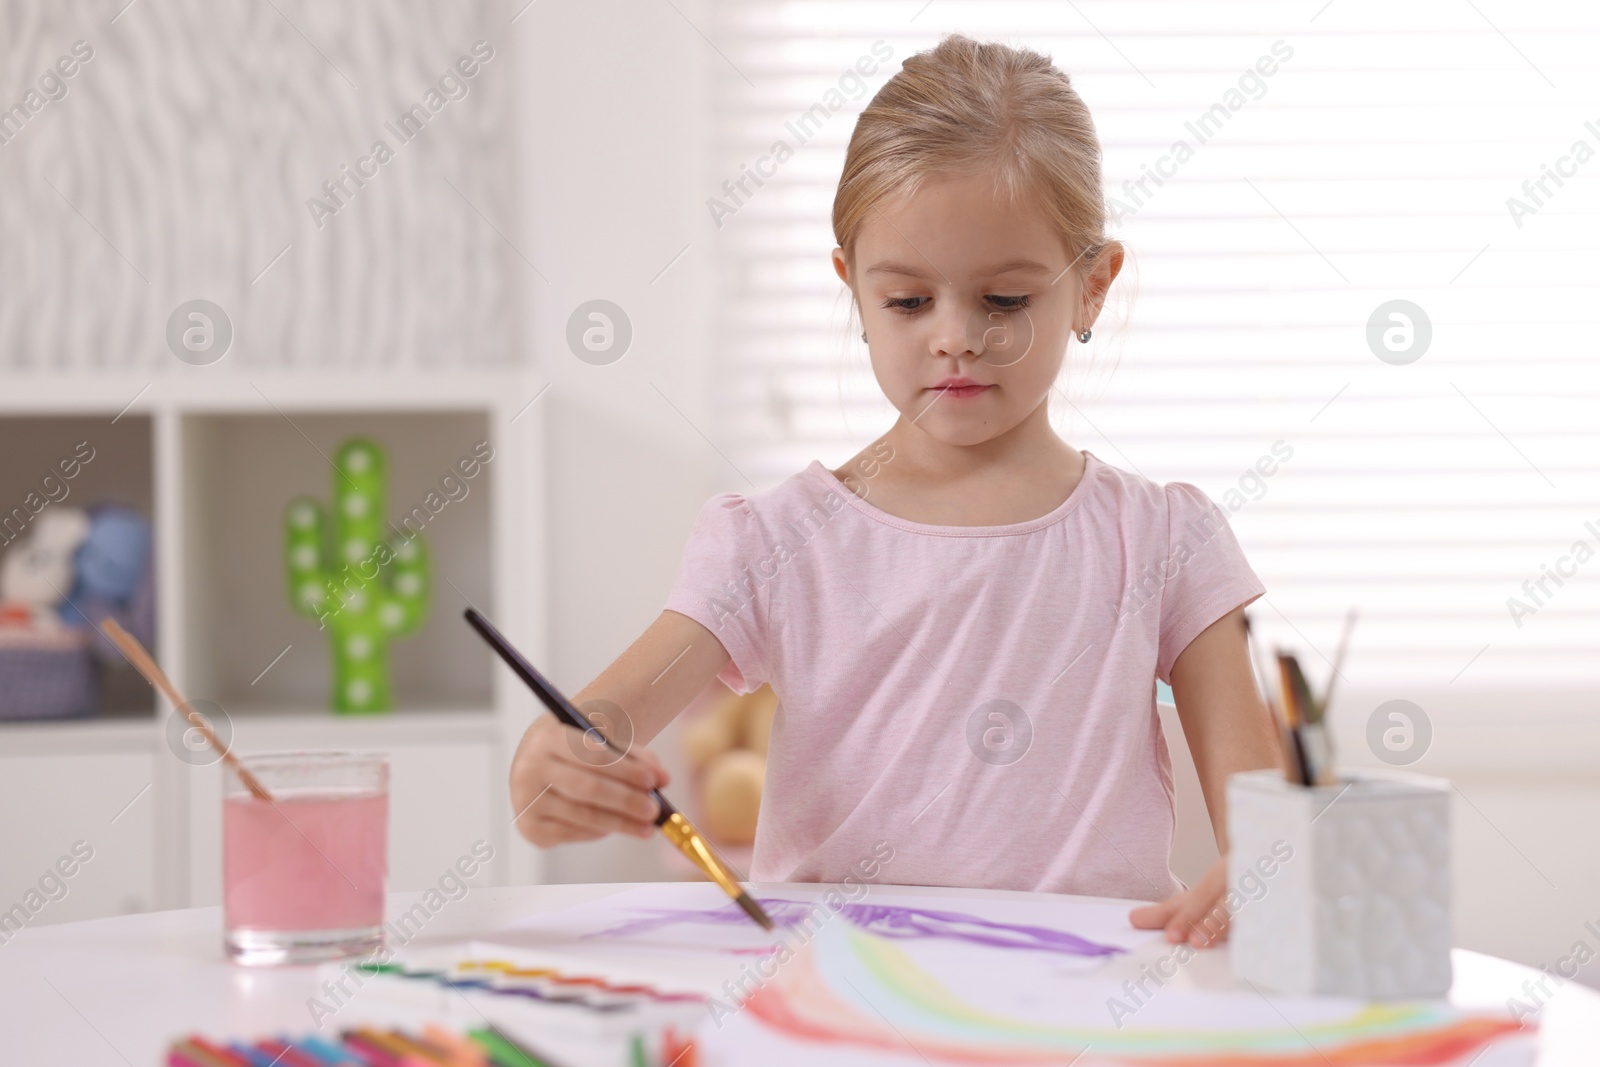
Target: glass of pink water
303, 876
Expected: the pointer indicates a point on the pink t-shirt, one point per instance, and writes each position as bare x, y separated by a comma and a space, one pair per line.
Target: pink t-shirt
981, 698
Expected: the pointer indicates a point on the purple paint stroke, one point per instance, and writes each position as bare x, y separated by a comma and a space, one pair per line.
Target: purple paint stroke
885, 920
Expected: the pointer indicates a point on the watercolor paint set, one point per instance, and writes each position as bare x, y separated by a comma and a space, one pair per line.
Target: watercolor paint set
465, 983
546, 995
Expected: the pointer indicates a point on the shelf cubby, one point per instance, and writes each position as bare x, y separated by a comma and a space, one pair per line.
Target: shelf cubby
214, 459
242, 469
118, 469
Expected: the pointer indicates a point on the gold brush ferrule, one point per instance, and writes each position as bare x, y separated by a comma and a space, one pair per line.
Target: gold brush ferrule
681, 832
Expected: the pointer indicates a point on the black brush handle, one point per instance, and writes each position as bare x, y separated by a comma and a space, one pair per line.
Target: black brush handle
549, 695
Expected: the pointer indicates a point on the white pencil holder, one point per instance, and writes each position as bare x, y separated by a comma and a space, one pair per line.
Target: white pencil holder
1357, 902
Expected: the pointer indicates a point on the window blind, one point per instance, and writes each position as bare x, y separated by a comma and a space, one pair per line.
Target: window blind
1440, 154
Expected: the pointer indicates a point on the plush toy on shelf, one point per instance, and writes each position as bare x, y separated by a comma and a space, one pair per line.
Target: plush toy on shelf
113, 579
45, 668
72, 571
365, 587
36, 574
726, 745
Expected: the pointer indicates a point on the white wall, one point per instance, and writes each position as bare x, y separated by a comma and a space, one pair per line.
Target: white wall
1525, 803
179, 165
612, 114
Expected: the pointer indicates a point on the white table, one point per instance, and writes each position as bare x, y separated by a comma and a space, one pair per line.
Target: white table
117, 991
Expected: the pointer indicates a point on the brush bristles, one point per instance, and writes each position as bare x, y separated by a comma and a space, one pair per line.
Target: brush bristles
752, 909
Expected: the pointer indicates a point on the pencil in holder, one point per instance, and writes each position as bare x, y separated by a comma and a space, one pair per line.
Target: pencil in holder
1358, 903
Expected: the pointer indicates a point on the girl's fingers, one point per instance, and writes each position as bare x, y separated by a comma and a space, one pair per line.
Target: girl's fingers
589, 802
1198, 915
560, 832
1153, 916
656, 766
570, 791
553, 831
1199, 922
584, 786
596, 821
1211, 929
1190, 916
639, 769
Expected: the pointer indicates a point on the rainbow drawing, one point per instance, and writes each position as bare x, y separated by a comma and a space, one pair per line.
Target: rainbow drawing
865, 993
895, 921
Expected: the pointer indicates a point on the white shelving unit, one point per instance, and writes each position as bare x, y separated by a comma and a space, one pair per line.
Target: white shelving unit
213, 460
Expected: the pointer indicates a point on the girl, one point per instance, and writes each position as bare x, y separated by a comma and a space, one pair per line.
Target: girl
963, 623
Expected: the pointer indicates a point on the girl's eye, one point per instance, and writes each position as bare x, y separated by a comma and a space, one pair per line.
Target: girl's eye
908, 305
904, 304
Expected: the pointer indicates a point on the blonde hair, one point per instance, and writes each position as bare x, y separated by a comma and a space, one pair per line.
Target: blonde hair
966, 107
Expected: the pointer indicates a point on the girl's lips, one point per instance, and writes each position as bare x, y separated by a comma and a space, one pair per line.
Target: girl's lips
961, 392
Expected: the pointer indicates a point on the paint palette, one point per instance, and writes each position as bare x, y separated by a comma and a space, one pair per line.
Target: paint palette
466, 982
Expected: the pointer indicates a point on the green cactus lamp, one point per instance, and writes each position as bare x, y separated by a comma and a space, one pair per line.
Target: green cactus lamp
365, 587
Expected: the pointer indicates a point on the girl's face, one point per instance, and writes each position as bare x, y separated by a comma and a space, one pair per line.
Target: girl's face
967, 304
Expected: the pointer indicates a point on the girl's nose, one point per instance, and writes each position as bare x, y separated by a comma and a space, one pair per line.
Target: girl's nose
953, 334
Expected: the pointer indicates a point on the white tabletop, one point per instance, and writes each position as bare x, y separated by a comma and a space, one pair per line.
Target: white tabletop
118, 991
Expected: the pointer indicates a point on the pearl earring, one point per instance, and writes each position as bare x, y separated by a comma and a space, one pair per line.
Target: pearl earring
863, 335
1083, 338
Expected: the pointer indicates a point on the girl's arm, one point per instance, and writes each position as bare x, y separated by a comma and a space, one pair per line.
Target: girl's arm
1229, 729
564, 788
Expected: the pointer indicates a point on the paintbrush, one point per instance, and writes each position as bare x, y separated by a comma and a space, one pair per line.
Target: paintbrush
1338, 662
1293, 754
1309, 727
1295, 717
1299, 690
146, 665
679, 830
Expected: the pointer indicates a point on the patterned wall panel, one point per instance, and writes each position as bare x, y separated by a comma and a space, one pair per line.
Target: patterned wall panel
336, 176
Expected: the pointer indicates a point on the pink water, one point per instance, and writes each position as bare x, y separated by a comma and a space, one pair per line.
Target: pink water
309, 862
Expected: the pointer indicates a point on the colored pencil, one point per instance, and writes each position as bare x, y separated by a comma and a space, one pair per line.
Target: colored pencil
465, 1053
359, 1044
327, 1051
503, 1052
197, 1052
286, 1054
677, 1051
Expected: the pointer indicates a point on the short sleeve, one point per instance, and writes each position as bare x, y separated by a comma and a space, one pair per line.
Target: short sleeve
1207, 574
718, 586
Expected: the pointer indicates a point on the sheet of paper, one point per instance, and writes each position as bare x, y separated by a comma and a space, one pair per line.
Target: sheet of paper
870, 999
692, 935
899, 977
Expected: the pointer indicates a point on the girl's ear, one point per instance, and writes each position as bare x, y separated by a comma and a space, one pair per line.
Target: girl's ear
840, 267
1107, 266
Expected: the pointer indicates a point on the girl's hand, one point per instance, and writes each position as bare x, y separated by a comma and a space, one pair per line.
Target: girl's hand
1197, 915
1228, 729
563, 789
